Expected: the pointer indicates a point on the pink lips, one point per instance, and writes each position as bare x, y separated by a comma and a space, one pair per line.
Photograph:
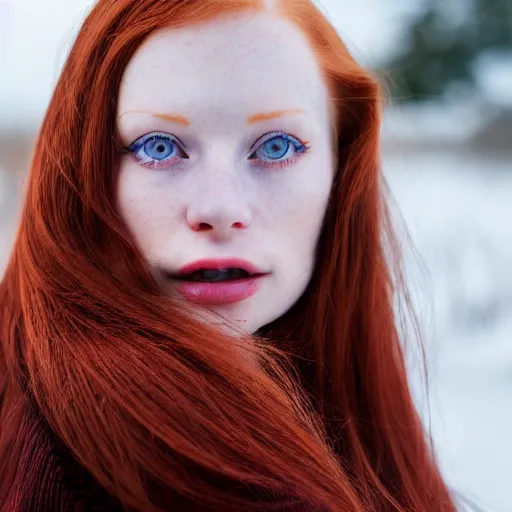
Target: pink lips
222, 292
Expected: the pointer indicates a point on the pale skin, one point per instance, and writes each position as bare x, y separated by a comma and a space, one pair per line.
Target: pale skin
214, 94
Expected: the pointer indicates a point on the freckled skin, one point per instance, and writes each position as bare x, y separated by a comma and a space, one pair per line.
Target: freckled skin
216, 76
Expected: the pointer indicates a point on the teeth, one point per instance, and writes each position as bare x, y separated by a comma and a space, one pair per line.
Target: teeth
224, 274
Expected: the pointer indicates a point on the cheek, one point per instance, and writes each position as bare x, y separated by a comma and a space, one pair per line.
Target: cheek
301, 207
133, 201
298, 217
305, 223
144, 207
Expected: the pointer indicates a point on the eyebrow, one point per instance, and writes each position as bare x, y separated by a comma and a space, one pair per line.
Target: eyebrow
173, 118
263, 116
272, 115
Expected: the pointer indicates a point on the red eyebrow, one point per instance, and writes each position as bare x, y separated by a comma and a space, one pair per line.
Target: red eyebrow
255, 118
174, 118
271, 115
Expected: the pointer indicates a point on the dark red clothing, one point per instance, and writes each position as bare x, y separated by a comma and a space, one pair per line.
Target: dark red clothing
48, 479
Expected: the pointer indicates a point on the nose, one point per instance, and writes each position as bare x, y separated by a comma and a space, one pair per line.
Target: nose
220, 211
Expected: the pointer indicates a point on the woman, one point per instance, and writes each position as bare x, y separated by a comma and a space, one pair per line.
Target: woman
198, 310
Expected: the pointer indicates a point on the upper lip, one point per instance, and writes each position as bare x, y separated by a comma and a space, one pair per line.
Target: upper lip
218, 264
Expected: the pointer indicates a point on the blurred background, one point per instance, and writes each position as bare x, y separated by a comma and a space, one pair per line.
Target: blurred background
447, 155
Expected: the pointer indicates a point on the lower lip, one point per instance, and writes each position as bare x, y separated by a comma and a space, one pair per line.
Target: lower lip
227, 292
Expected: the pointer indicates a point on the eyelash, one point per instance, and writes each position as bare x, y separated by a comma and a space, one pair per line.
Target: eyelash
135, 148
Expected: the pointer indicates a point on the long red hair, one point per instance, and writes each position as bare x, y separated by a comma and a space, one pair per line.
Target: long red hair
153, 401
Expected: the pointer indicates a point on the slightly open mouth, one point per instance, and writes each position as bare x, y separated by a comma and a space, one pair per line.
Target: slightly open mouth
216, 275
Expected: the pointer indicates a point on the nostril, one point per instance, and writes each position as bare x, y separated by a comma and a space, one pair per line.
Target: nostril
202, 226
238, 225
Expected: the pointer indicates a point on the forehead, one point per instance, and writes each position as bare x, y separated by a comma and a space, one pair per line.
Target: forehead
235, 63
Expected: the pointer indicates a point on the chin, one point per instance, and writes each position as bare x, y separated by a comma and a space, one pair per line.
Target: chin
237, 315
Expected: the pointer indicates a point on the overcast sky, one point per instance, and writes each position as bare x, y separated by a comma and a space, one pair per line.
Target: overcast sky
35, 36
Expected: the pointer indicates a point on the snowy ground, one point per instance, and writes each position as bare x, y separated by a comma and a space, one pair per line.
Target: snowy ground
9, 205
458, 209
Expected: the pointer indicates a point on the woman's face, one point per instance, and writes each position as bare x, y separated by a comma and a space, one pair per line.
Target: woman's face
229, 165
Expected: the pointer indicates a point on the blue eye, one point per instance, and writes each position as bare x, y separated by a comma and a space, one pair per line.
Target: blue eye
277, 147
155, 149
159, 148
